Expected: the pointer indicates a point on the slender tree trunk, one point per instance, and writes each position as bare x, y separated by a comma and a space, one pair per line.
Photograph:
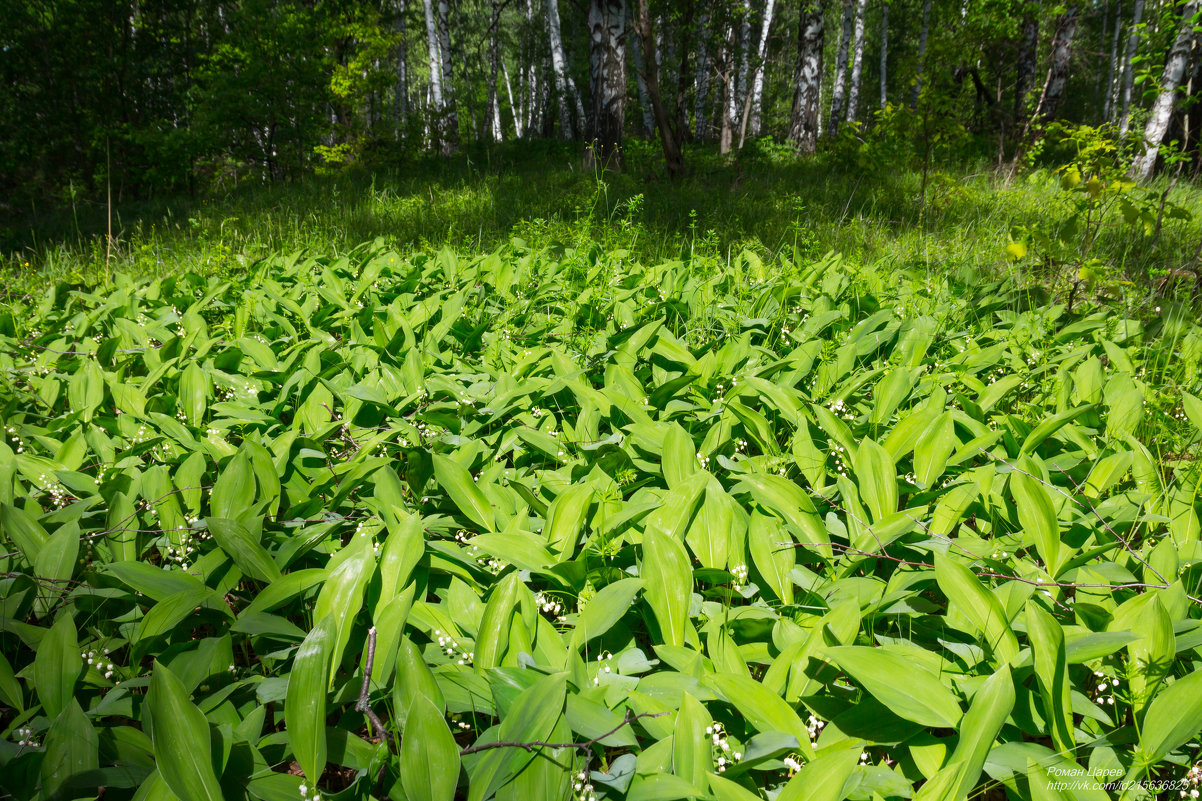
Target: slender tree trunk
923, 36
745, 46
1175, 67
559, 69
1062, 51
438, 124
702, 79
647, 34
607, 76
451, 131
857, 63
761, 64
400, 100
884, 53
730, 91
1111, 86
513, 109
1128, 79
839, 92
648, 117
493, 114
1027, 59
807, 95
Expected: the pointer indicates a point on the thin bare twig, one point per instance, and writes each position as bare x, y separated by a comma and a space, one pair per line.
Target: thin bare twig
363, 704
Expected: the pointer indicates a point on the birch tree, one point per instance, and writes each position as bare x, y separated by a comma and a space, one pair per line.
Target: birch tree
757, 81
559, 69
839, 92
1128, 79
647, 118
493, 114
607, 77
437, 107
1111, 86
1062, 51
804, 120
1175, 67
857, 63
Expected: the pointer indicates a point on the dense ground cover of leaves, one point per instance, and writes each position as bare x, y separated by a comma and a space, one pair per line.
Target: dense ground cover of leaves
714, 530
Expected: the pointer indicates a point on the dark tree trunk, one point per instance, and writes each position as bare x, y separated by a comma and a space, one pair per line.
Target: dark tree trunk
647, 36
1062, 53
1026, 69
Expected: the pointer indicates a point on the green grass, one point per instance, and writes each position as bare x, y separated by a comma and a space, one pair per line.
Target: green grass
766, 201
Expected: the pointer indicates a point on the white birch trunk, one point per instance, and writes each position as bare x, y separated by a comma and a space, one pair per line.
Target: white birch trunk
1128, 80
757, 82
839, 90
1171, 79
559, 69
435, 93
806, 118
857, 63
514, 110
1111, 86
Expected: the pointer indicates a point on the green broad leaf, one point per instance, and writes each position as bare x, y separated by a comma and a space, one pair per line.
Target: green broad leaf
950, 509
773, 553
933, 448
764, 709
1173, 718
1037, 516
57, 665
565, 520
978, 605
779, 494
495, 623
403, 549
167, 614
305, 702
429, 754
55, 565
341, 596
244, 549
1051, 670
413, 680
520, 548
234, 492
826, 777
978, 732
17, 526
1193, 409
10, 688
877, 479
922, 697
714, 527
194, 393
668, 584
679, 460
284, 589
181, 740
603, 611
1050, 426
890, 392
691, 746
70, 757
463, 492
532, 717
